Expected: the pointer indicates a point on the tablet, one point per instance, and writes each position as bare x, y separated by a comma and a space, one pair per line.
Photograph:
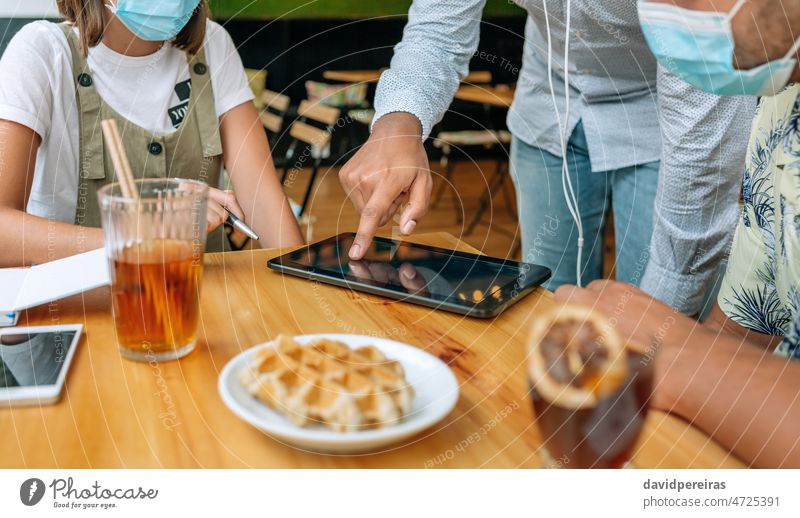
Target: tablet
460, 282
34, 362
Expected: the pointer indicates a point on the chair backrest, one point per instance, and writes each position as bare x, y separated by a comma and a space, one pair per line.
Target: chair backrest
257, 79
310, 134
479, 77
338, 95
275, 106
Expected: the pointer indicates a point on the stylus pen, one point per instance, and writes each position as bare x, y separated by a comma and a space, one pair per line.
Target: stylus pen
240, 225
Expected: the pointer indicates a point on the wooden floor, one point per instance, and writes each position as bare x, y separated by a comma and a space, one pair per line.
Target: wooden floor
497, 234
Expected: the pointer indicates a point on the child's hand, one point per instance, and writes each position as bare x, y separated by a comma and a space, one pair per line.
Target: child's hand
218, 201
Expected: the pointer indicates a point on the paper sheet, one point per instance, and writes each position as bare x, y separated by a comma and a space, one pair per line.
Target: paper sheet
11, 280
22, 288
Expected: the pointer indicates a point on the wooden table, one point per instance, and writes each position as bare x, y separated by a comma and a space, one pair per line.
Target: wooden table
372, 76
119, 413
353, 76
499, 96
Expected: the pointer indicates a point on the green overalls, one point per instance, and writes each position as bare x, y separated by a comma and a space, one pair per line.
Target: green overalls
193, 151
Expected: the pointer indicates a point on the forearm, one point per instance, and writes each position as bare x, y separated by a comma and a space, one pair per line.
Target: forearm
430, 61
260, 194
718, 322
743, 396
28, 239
267, 210
704, 142
255, 183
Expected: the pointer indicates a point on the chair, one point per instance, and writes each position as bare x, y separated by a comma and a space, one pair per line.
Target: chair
314, 129
347, 95
351, 99
494, 101
364, 116
447, 141
273, 112
478, 77
257, 79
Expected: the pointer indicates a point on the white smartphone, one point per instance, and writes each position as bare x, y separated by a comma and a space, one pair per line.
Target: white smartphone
34, 362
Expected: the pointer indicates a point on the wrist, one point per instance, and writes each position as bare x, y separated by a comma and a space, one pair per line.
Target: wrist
398, 124
675, 367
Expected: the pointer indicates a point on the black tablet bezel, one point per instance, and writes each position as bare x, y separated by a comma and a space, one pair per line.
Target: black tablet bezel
533, 277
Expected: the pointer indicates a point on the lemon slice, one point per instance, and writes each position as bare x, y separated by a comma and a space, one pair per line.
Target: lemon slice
570, 327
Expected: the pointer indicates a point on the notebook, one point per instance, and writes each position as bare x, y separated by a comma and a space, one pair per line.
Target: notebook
24, 288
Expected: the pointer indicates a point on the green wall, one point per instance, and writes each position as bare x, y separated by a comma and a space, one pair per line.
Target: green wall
265, 9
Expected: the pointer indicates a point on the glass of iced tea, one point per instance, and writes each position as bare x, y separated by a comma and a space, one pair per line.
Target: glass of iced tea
155, 250
589, 389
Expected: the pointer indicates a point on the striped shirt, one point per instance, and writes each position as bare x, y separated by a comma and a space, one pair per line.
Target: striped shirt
633, 112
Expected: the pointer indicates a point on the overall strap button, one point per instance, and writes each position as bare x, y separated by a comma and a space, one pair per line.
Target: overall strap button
155, 148
200, 69
85, 80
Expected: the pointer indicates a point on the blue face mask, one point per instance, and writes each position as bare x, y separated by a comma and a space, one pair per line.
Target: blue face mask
697, 46
154, 20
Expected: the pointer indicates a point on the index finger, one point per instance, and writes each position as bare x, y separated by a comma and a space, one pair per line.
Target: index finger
374, 211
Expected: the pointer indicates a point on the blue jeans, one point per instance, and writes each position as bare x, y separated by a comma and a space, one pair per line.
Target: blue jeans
549, 235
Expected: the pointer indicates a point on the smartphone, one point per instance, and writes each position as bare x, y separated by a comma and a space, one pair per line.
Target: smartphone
34, 362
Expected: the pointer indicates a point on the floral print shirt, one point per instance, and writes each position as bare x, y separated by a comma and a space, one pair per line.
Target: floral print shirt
761, 288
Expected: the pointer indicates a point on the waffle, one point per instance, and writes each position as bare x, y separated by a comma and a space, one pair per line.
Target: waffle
327, 382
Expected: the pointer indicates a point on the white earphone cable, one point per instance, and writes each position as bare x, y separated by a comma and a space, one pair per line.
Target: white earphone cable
566, 183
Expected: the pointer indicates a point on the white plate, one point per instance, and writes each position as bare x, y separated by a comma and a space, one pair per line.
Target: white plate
435, 388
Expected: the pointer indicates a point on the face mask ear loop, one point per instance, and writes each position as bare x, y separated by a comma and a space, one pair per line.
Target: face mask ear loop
792, 50
736, 8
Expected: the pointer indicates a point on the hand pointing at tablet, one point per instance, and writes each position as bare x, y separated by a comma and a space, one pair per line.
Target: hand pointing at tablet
391, 165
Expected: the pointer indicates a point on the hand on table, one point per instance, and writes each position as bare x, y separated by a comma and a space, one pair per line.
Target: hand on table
636, 315
218, 200
644, 320
389, 166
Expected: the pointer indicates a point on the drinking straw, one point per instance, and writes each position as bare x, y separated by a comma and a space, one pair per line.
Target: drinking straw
119, 158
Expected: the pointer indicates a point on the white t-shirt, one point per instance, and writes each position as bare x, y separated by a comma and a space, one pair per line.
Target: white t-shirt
37, 90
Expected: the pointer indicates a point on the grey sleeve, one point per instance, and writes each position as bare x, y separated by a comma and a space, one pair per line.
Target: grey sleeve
431, 60
704, 144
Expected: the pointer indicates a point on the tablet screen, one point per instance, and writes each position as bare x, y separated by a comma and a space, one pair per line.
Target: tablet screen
430, 272
35, 359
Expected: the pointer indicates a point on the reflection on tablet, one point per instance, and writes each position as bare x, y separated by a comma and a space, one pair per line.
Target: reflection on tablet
416, 270
28, 360
436, 277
